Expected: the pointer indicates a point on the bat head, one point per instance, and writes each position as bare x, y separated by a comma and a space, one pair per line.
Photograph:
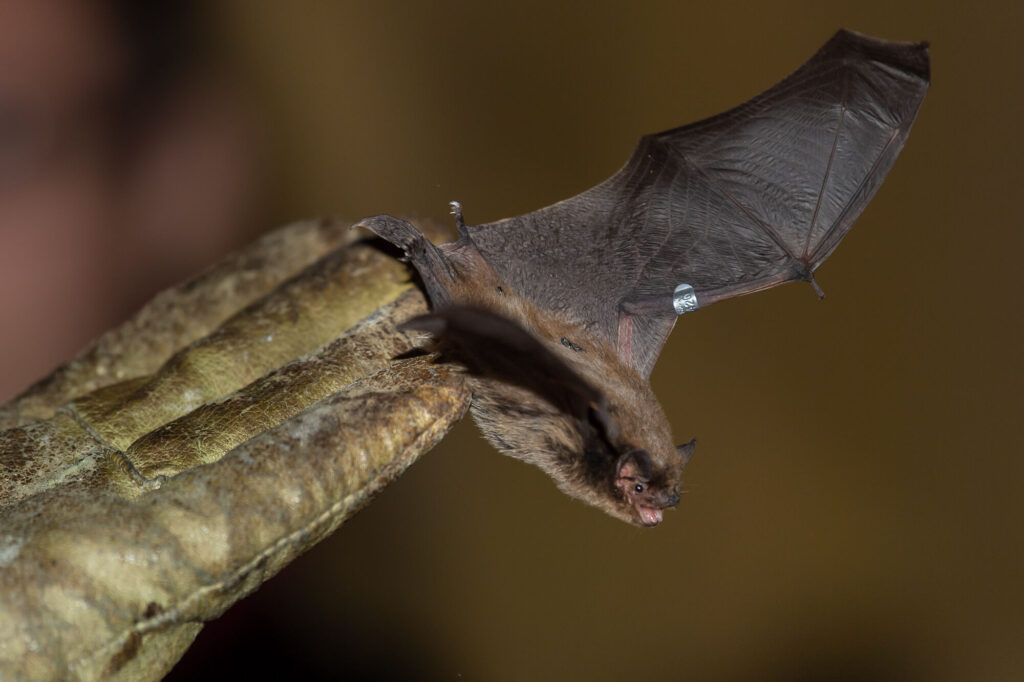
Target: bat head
647, 486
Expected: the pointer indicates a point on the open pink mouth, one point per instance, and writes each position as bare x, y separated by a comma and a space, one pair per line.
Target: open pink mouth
649, 516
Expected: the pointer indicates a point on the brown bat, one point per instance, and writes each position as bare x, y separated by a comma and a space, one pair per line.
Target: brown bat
560, 314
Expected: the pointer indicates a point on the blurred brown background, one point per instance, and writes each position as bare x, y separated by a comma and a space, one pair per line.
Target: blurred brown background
854, 508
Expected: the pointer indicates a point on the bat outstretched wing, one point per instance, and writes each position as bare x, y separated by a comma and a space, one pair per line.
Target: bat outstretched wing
754, 197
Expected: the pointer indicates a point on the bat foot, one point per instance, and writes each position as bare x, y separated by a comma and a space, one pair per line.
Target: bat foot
432, 266
455, 208
398, 232
817, 289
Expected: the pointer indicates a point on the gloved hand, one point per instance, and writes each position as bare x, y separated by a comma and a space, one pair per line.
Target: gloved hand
192, 452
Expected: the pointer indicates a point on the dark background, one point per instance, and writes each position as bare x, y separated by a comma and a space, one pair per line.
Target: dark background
854, 508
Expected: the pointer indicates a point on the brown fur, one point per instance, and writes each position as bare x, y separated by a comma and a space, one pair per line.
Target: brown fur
522, 424
558, 396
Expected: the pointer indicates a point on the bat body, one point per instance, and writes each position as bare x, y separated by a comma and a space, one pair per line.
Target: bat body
560, 314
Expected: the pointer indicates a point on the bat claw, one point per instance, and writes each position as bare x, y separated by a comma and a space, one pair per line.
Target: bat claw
455, 208
398, 232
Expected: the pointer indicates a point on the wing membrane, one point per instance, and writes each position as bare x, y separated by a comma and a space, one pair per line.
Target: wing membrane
753, 197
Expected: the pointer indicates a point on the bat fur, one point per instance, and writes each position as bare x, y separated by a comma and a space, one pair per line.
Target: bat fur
560, 314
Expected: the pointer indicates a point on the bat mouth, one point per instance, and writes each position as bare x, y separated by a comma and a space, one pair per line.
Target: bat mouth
648, 516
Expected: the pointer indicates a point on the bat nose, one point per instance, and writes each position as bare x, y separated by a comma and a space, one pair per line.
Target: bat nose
670, 500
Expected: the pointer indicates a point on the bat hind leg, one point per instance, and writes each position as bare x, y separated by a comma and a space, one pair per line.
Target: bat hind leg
431, 264
455, 208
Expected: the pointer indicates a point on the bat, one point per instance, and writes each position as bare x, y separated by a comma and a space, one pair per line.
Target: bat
559, 315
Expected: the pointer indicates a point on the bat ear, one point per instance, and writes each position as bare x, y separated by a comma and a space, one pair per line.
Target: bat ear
635, 464
685, 450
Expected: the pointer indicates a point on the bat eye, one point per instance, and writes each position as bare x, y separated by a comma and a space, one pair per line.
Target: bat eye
639, 488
